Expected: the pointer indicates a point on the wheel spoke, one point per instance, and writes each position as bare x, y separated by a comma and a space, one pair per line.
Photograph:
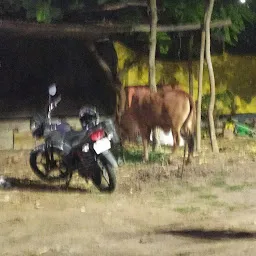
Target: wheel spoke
51, 168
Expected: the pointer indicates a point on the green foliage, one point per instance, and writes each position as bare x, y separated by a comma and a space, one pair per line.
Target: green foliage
238, 13
30, 7
169, 12
40, 10
132, 17
76, 5
10, 8
226, 98
164, 41
43, 12
181, 11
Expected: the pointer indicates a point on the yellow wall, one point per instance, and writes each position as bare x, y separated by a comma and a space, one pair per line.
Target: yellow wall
234, 73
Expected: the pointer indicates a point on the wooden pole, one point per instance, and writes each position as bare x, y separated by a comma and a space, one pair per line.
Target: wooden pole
96, 30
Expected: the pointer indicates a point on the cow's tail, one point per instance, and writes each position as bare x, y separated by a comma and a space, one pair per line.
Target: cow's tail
189, 127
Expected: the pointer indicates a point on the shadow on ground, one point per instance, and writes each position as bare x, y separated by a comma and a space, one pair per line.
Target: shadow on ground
34, 185
209, 234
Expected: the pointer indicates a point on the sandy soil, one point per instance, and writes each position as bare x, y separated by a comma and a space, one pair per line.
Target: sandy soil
211, 211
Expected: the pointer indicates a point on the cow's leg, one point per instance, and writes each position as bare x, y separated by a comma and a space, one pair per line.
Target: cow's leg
119, 148
145, 134
176, 142
121, 156
190, 141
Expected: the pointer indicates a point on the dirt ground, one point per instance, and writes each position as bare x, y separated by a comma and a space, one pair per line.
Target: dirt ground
211, 211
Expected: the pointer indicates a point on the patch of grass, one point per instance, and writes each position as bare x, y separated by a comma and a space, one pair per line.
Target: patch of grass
208, 196
167, 194
219, 182
195, 189
250, 184
232, 208
218, 204
236, 188
31, 254
224, 205
187, 209
177, 192
160, 195
135, 154
157, 157
183, 254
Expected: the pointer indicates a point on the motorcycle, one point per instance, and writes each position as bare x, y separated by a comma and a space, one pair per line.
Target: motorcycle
66, 150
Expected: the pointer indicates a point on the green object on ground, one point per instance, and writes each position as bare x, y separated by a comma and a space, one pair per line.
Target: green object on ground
242, 130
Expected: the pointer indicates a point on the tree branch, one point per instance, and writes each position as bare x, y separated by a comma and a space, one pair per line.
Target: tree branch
179, 28
95, 30
117, 6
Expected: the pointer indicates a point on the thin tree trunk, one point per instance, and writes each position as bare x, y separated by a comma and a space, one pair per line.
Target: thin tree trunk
152, 46
200, 90
190, 65
213, 138
200, 84
152, 64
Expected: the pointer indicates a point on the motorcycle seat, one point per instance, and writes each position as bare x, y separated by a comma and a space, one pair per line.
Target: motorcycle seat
74, 138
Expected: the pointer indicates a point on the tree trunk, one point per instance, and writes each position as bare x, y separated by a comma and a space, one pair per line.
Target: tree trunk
200, 84
199, 96
152, 56
213, 138
152, 46
190, 65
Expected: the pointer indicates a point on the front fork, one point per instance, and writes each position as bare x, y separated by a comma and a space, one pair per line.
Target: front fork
49, 158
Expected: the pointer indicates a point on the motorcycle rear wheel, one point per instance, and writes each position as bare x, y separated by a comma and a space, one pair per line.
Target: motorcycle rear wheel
52, 168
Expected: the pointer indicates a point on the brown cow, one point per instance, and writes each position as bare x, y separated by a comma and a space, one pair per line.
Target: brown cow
170, 109
132, 91
129, 129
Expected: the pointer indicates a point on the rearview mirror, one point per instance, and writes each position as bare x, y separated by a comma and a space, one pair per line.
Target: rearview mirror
52, 89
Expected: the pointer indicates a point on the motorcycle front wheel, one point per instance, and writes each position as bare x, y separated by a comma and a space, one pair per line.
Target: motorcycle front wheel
104, 177
48, 165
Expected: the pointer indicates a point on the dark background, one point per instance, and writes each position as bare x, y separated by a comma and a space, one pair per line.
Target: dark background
29, 65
